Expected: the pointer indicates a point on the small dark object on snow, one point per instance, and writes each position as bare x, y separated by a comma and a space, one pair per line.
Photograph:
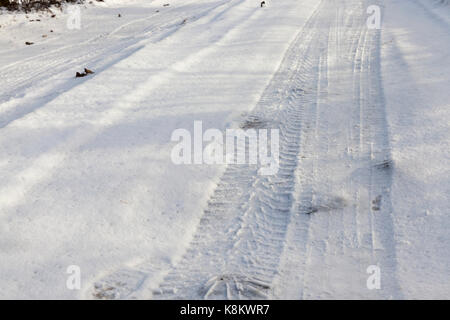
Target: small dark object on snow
119, 15
310, 210
53, 15
166, 5
51, 30
376, 204
263, 4
29, 43
38, 20
44, 36
385, 164
253, 122
84, 74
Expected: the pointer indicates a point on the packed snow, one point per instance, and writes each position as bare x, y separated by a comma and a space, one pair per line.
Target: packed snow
87, 178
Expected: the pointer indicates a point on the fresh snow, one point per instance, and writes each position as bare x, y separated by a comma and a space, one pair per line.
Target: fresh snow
86, 171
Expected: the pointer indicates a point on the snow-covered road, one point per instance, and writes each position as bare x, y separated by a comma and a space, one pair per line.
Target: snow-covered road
363, 180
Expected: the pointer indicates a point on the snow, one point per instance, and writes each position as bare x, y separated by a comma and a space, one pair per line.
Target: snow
86, 175
416, 77
88, 180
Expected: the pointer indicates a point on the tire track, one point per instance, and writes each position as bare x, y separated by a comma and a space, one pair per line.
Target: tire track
241, 261
345, 175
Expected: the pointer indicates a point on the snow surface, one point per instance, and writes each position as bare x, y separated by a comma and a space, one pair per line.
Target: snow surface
416, 73
87, 178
